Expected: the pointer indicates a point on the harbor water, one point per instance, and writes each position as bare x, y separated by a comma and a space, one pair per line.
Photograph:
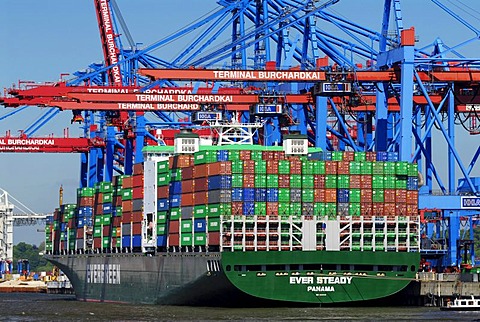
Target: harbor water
49, 307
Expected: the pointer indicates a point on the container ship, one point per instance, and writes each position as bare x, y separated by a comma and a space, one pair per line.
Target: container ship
240, 225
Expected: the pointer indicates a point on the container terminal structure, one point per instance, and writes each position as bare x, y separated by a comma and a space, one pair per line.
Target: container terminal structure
368, 92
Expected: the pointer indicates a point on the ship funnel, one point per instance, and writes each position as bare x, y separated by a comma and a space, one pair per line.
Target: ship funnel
295, 144
186, 142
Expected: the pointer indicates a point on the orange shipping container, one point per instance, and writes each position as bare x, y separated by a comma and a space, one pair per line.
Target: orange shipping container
249, 181
187, 199
389, 195
319, 195
343, 167
355, 181
137, 228
330, 195
127, 206
137, 216
200, 171
180, 161
127, 182
401, 196
249, 166
389, 208
187, 186
331, 167
366, 181
412, 197
217, 168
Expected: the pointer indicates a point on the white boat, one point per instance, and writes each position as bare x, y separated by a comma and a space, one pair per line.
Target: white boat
462, 304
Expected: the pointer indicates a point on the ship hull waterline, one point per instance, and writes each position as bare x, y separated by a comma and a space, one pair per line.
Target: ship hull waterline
237, 279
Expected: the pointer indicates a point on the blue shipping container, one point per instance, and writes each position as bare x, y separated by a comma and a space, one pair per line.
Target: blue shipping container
249, 208
343, 195
392, 156
176, 187
137, 240
175, 201
219, 182
248, 194
107, 208
161, 241
199, 225
272, 194
382, 156
261, 194
85, 210
126, 241
222, 155
162, 204
237, 194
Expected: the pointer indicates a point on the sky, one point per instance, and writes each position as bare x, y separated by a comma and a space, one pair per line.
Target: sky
40, 40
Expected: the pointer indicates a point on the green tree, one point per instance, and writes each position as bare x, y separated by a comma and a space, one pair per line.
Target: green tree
33, 253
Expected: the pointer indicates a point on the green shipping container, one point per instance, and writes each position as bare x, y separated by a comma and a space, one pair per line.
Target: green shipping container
186, 239
401, 168
161, 229
127, 194
106, 220
237, 180
367, 167
283, 194
106, 242
378, 182
162, 217
163, 179
307, 167
295, 181
337, 155
379, 167
355, 195
213, 224
389, 182
295, 209
307, 181
319, 209
389, 168
412, 170
186, 226
202, 157
360, 156
354, 209
272, 181
318, 167
307, 195
97, 231
260, 166
260, 181
237, 166
86, 192
283, 167
162, 166
233, 155
260, 208
331, 209
331, 181
175, 213
256, 155
284, 209
378, 195
401, 183
200, 239
343, 181
176, 174
355, 167
200, 211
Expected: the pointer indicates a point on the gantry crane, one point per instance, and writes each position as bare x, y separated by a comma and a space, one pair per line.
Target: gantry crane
393, 94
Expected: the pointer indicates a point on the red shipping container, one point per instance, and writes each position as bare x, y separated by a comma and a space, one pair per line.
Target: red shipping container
389, 209
401, 196
117, 201
127, 182
343, 167
412, 197
137, 180
371, 156
218, 168
214, 238
106, 231
249, 166
71, 223
187, 185
267, 155
330, 195
86, 201
97, 242
272, 208
200, 171
98, 209
137, 216
245, 154
284, 181
237, 208
355, 181
366, 181
319, 195
249, 180
80, 233
173, 239
137, 228
116, 221
138, 168
377, 209
188, 173
389, 195
137, 192
126, 217
200, 198
295, 166
187, 199
173, 226
319, 181
412, 210
200, 184
366, 209
331, 167
163, 191
348, 155
272, 166
366, 195
400, 210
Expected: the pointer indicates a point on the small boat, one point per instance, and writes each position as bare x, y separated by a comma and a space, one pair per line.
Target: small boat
463, 304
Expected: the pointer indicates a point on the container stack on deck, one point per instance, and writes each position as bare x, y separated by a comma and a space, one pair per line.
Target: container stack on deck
249, 198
